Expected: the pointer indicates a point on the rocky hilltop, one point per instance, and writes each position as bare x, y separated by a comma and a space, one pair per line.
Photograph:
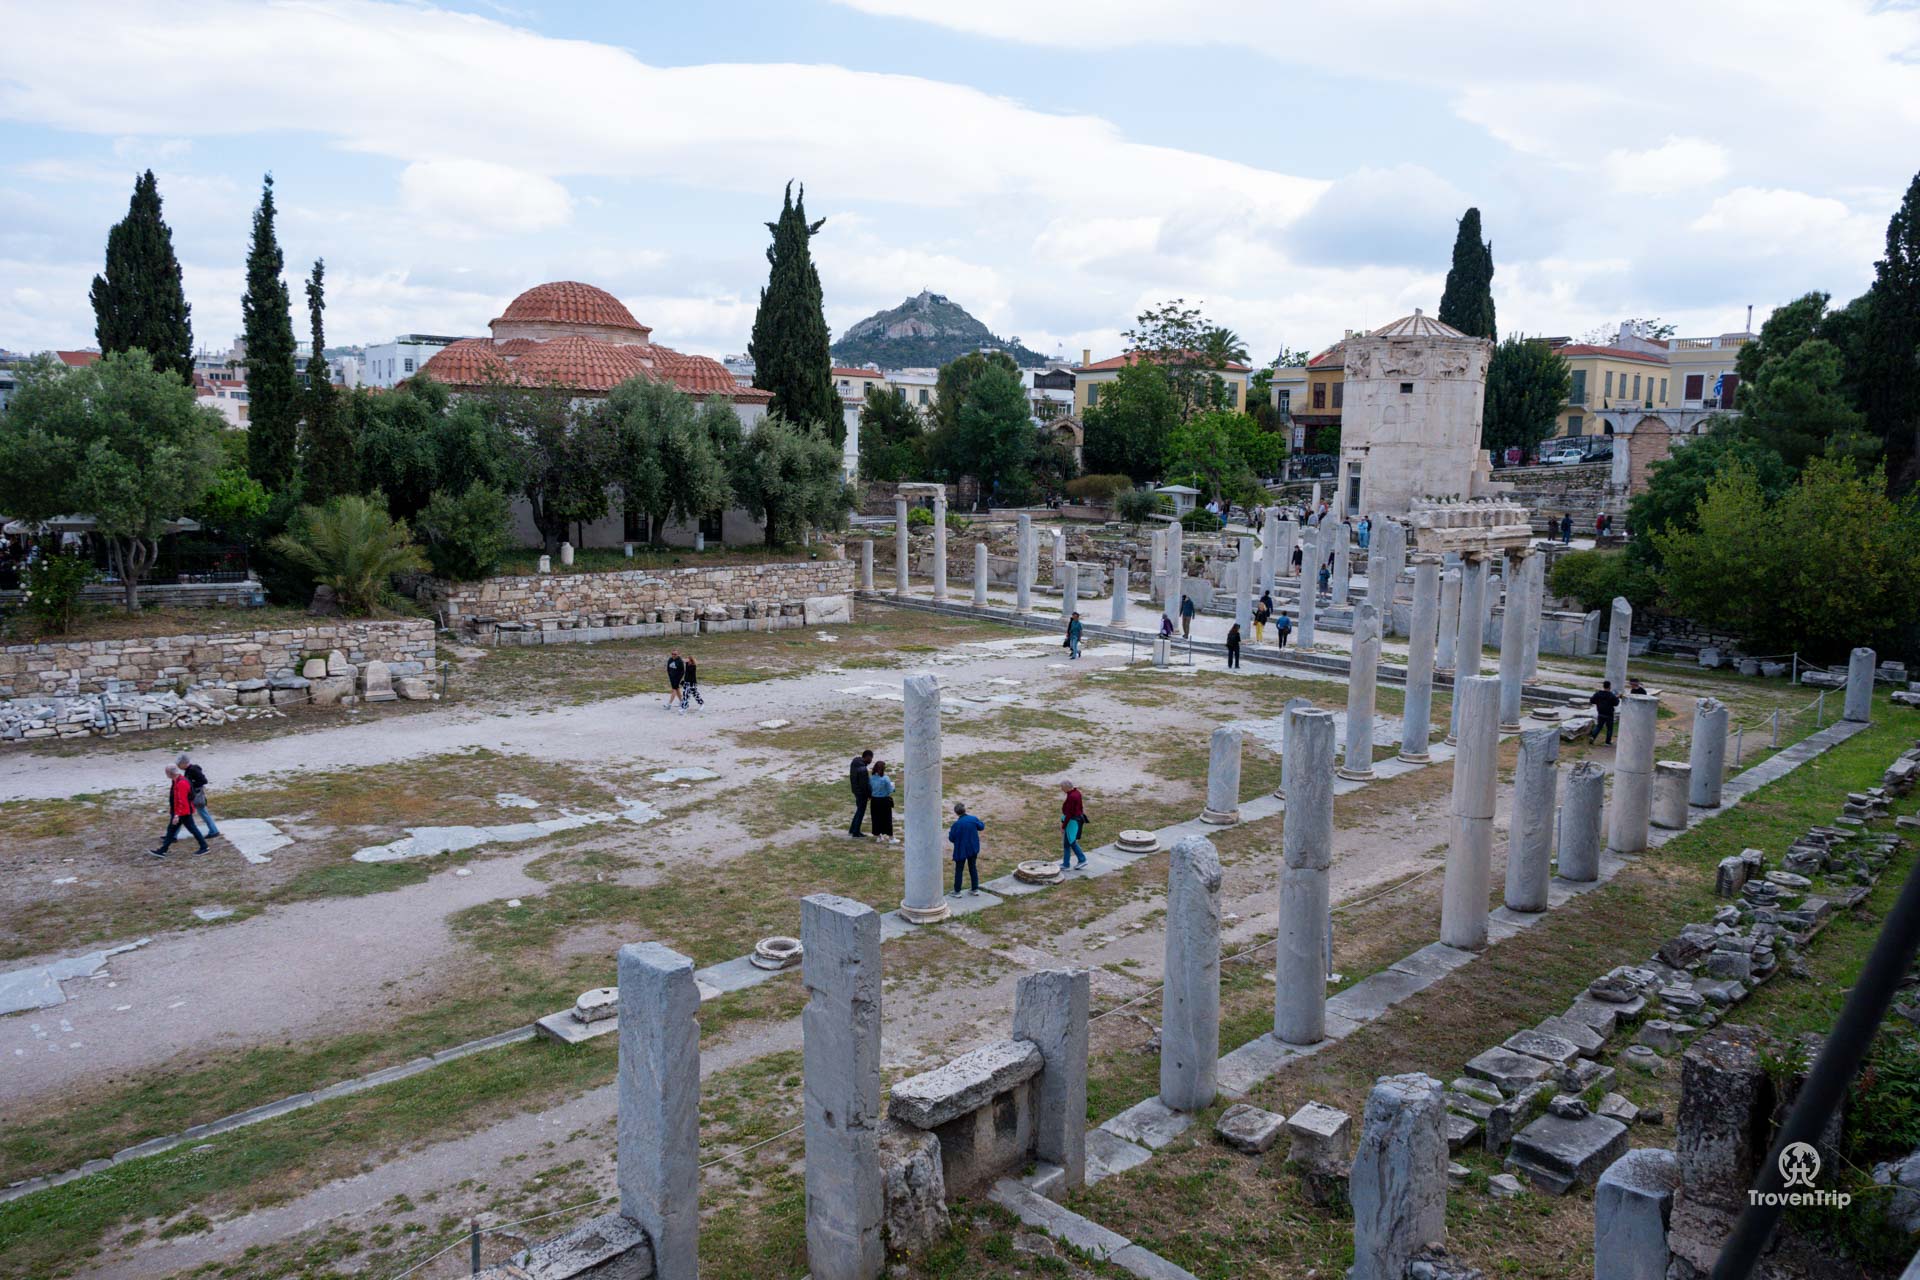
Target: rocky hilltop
926, 330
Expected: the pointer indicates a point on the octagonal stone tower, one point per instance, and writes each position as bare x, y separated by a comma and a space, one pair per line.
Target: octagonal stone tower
1410, 428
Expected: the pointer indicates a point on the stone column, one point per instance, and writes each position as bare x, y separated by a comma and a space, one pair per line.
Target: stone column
902, 547
1708, 752
1447, 624
940, 546
1176, 572
1156, 562
1633, 775
1466, 648
1243, 589
1190, 1017
1362, 672
658, 1129
1289, 539
1309, 609
1223, 778
1632, 1205
1469, 871
924, 850
1119, 614
980, 575
866, 564
1342, 580
1672, 783
1619, 639
1513, 640
1399, 1181
1580, 823
1536, 601
1859, 705
1050, 1009
1300, 960
1069, 577
1023, 565
1530, 828
840, 1067
1416, 720
1275, 535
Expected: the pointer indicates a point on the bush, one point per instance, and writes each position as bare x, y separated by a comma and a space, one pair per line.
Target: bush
1136, 505
53, 585
467, 534
1594, 578
353, 546
1098, 489
919, 518
1200, 520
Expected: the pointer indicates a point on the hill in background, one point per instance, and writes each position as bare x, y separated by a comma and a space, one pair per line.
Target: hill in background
926, 330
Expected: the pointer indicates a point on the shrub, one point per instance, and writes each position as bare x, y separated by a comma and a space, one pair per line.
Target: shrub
467, 534
1200, 520
919, 518
1098, 488
355, 547
1594, 578
1136, 505
53, 586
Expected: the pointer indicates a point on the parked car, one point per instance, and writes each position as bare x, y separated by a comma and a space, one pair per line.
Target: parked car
1564, 458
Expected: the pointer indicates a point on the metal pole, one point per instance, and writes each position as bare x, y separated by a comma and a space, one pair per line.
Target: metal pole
1838, 1061
474, 1248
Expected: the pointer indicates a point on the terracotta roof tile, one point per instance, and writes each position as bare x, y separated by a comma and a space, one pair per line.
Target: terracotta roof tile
1610, 353
570, 302
1133, 357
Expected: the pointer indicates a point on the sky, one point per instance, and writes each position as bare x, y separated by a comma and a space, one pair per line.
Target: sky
1293, 167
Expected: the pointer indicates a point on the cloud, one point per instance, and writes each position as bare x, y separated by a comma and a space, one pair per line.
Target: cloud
1400, 216
1677, 165
479, 197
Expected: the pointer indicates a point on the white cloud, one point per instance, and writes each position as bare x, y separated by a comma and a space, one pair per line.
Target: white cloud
479, 197
1404, 215
1676, 165
1763, 220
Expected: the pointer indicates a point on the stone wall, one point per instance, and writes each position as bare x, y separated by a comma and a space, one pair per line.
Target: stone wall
707, 598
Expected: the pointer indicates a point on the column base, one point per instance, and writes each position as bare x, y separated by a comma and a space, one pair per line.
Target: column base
925, 915
1416, 757
1355, 775
1451, 740
1509, 727
1213, 817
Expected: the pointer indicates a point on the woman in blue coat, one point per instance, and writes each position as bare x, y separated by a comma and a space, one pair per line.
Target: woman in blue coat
964, 836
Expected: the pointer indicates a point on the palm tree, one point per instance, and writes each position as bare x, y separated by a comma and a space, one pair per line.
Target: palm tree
354, 547
1222, 347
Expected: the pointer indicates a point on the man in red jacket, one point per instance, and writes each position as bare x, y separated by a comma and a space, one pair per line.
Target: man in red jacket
1073, 818
180, 813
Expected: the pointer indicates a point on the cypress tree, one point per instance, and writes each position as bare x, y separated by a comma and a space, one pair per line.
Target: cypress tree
1467, 303
327, 459
273, 410
138, 301
1890, 343
789, 343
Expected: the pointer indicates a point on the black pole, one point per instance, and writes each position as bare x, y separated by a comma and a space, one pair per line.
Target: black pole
1839, 1059
474, 1246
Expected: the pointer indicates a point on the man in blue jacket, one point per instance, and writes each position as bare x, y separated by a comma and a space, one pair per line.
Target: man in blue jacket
964, 836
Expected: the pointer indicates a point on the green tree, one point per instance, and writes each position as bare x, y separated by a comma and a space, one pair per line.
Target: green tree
327, 463
1796, 407
1594, 578
568, 456
993, 438
1128, 427
138, 301
1467, 302
790, 338
1201, 452
956, 379
1890, 343
353, 546
273, 411
393, 434
668, 468
117, 440
893, 437
1179, 340
1527, 383
467, 533
1782, 332
1677, 485
789, 476
1221, 346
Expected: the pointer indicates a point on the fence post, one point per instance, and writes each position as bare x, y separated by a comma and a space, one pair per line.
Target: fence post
1776, 728
1795, 677
474, 1246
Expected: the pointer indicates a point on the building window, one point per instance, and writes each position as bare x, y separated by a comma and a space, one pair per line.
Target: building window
1663, 392
1608, 393
409, 364
923, 395
1339, 390
1636, 388
1353, 486
1693, 385
1574, 423
1406, 388
1577, 391
1319, 395
1093, 394
1286, 399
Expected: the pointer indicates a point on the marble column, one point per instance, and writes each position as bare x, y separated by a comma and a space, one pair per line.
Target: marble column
1672, 783
1447, 622
1633, 775
1300, 961
1023, 565
1530, 827
1156, 562
1050, 1010
1619, 639
866, 564
902, 547
1416, 721
1276, 568
1632, 1208
1190, 1013
1176, 573
1399, 1182
1342, 580
1309, 609
980, 575
1243, 589
1223, 778
1362, 672
1580, 823
1536, 600
1068, 575
1469, 869
1513, 640
1289, 539
1059, 556
1467, 645
658, 1125
924, 850
1380, 588
1119, 614
1859, 704
1708, 753
940, 547
840, 1068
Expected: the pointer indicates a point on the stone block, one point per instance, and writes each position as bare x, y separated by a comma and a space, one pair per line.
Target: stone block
611, 1247
1558, 1153
1506, 1119
1321, 1137
825, 610
414, 688
288, 697
1050, 1011
314, 668
1399, 1183
931, 1099
327, 691
1543, 1045
1510, 1070
915, 1187
1586, 1039
1726, 1104
1249, 1129
1632, 1204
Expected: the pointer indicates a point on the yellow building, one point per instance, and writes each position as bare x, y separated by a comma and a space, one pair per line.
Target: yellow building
1090, 375
1609, 378
853, 384
1702, 370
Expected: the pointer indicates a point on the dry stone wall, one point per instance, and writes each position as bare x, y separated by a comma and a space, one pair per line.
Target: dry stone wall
636, 602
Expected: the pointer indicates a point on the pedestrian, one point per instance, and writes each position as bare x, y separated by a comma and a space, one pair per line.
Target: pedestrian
1075, 628
1566, 528
179, 813
1282, 628
964, 836
1600, 525
1186, 616
1326, 576
1635, 687
1299, 549
1166, 627
676, 671
1262, 612
880, 789
1233, 646
862, 784
1364, 531
1604, 701
197, 780
690, 683
1073, 820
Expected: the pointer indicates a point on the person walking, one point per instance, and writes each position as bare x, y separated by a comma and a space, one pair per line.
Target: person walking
690, 683
1073, 820
1566, 528
1262, 613
1075, 629
179, 814
1166, 627
1600, 525
1282, 628
1364, 531
964, 836
1186, 616
880, 789
862, 784
1604, 701
1298, 549
1326, 576
1233, 646
197, 780
676, 672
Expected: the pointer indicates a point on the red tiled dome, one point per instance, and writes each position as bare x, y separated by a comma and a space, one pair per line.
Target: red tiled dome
578, 363
570, 302
468, 362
